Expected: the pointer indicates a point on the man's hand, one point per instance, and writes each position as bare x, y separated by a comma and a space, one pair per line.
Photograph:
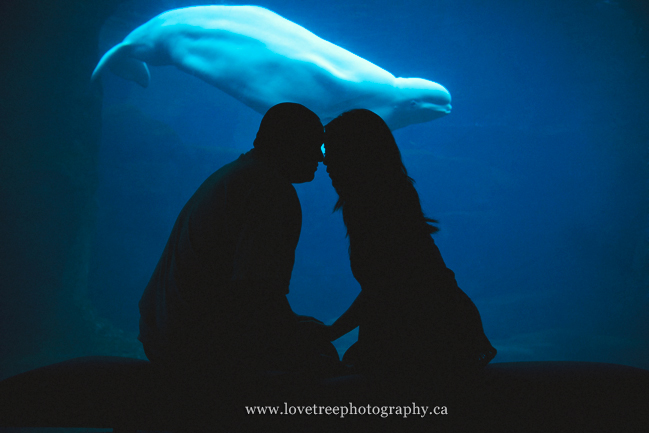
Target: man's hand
308, 319
314, 329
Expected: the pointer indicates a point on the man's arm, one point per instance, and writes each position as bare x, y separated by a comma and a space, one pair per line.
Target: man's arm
265, 297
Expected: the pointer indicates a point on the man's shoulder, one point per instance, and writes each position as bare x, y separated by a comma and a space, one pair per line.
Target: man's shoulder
242, 168
247, 173
254, 170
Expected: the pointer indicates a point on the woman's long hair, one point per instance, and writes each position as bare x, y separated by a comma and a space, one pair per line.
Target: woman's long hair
364, 144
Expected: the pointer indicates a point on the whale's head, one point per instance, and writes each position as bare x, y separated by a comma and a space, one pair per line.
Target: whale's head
417, 101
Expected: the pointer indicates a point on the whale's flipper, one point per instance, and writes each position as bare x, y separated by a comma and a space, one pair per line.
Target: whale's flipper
121, 63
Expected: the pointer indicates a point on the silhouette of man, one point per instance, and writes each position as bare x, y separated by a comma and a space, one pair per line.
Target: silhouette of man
217, 298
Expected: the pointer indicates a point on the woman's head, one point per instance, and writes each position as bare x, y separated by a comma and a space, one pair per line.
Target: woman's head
361, 153
365, 167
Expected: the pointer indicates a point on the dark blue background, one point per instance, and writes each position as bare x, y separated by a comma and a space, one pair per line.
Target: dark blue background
538, 177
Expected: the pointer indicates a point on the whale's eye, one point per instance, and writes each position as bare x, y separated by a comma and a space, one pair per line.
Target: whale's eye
413, 103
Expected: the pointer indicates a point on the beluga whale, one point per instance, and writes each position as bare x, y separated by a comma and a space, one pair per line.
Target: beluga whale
262, 59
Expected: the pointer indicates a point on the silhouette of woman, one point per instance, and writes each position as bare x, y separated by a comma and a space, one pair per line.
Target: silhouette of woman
414, 321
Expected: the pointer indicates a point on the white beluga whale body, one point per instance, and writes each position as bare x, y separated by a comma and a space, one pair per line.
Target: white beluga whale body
262, 59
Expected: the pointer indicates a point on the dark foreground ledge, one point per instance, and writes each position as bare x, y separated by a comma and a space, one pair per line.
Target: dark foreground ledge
124, 394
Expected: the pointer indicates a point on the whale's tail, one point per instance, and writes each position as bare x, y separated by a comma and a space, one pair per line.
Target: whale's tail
120, 61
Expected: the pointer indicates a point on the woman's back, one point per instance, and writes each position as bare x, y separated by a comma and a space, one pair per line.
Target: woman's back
416, 316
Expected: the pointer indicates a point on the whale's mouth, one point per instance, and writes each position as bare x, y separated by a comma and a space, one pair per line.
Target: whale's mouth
430, 106
424, 112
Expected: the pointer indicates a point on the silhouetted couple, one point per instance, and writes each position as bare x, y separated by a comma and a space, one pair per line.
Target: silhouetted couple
215, 309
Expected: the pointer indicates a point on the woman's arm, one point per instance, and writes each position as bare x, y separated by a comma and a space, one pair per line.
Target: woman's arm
349, 320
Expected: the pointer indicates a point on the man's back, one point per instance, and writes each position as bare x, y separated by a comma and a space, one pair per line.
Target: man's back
218, 291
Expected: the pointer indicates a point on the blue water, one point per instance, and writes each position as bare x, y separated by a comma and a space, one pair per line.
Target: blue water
538, 176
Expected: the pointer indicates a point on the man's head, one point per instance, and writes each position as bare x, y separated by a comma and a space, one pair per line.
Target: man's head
293, 135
